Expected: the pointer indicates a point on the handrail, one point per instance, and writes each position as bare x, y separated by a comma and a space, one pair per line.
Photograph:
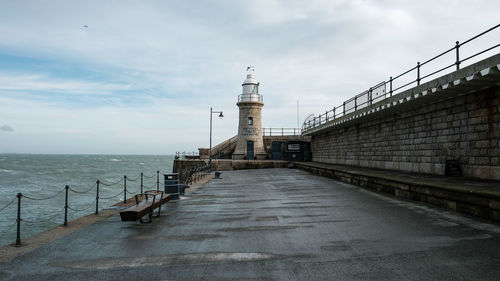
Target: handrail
184, 155
281, 131
367, 98
250, 97
223, 146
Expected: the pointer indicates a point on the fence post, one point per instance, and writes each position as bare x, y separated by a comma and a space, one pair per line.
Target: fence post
457, 46
390, 86
157, 180
370, 95
142, 175
18, 239
97, 198
125, 189
66, 206
418, 73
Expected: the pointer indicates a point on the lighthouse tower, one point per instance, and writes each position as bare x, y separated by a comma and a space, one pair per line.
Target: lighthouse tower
250, 142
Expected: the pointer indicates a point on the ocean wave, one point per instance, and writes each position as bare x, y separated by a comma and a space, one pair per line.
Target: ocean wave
11, 172
115, 160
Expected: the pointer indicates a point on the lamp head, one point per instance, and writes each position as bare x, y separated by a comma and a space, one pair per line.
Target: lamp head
221, 115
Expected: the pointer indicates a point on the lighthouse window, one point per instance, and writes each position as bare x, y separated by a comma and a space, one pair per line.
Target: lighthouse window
250, 121
255, 89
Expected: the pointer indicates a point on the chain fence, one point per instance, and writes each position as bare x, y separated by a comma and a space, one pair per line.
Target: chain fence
75, 207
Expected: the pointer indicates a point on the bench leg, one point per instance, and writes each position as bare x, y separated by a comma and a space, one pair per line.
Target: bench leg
159, 208
148, 221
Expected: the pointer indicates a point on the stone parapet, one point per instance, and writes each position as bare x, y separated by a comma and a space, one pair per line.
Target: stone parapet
465, 128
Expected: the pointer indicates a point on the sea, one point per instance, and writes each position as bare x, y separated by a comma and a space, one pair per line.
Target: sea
42, 179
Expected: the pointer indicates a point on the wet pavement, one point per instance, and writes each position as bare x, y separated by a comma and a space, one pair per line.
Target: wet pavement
274, 224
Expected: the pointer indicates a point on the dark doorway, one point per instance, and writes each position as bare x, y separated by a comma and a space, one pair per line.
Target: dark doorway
277, 148
250, 152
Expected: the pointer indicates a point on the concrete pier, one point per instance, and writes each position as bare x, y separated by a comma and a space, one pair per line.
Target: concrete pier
274, 224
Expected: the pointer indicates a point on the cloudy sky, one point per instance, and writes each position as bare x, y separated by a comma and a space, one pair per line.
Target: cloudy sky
139, 77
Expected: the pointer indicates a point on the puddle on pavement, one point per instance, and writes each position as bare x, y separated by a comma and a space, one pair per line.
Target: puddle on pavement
193, 237
231, 219
180, 259
261, 228
268, 218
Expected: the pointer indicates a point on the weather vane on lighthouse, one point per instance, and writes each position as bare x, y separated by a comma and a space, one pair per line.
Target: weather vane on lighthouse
250, 69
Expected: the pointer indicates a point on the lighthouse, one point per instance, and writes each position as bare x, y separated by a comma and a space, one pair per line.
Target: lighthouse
250, 142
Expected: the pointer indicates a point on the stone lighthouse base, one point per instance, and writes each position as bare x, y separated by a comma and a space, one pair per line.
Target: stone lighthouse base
243, 156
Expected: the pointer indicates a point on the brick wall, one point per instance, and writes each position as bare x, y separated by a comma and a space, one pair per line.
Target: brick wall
464, 128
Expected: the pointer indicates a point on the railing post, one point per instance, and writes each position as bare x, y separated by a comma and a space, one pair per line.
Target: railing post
157, 180
343, 113
334, 112
142, 175
355, 103
370, 96
97, 198
418, 73
282, 134
66, 206
18, 239
326, 114
125, 189
390, 86
457, 46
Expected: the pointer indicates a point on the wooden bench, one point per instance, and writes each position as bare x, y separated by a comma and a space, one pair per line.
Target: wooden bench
153, 199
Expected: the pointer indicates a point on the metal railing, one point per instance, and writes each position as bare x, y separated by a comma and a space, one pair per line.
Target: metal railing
194, 173
379, 92
218, 150
281, 131
187, 155
191, 174
250, 97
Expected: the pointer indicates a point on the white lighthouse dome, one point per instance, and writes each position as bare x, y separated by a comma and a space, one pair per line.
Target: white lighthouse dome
250, 80
250, 85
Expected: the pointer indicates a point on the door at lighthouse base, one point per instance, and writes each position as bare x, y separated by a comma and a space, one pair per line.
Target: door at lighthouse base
250, 151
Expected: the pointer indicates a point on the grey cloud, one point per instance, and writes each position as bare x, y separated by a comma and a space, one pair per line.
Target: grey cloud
6, 128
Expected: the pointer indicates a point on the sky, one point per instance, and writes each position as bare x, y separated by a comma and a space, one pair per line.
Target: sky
140, 77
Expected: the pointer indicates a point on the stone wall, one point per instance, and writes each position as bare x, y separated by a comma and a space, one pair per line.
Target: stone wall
268, 140
421, 139
228, 164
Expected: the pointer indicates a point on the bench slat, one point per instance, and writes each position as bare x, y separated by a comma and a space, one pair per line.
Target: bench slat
135, 212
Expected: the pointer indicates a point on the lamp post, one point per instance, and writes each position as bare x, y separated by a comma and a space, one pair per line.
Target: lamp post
210, 150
